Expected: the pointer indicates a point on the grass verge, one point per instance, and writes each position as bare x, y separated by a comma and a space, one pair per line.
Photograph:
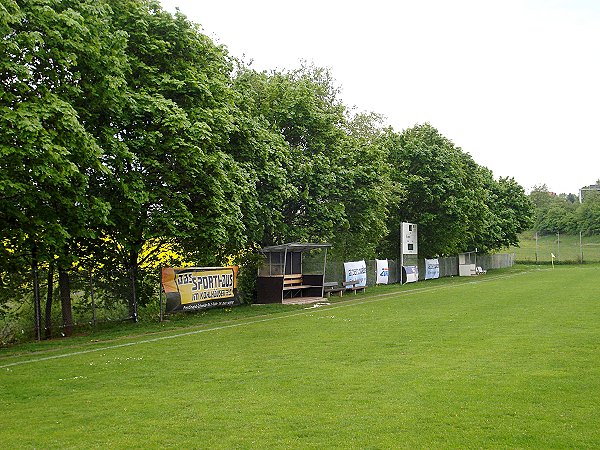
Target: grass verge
509, 359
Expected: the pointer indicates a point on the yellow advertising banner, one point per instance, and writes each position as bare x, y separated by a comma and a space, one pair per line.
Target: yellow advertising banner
199, 287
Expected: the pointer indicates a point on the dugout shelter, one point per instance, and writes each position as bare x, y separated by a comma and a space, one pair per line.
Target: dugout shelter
286, 277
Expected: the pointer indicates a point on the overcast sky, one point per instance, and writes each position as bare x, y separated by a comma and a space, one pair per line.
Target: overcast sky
515, 83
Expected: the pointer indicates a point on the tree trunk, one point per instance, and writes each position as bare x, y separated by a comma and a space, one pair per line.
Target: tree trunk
36, 293
64, 286
133, 272
49, 298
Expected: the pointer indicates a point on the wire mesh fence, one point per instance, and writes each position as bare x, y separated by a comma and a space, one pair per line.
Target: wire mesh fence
448, 267
560, 247
105, 296
96, 298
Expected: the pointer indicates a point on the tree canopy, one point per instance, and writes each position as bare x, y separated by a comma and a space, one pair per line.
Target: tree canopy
564, 213
124, 128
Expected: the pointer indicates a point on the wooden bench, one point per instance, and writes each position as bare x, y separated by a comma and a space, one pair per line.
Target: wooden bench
293, 281
351, 286
333, 287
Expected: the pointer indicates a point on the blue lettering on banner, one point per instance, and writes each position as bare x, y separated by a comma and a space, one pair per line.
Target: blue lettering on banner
358, 271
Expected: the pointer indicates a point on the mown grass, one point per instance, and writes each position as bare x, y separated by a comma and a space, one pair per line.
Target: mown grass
507, 360
567, 249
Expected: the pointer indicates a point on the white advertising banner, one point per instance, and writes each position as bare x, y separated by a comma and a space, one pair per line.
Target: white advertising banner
411, 274
383, 271
432, 269
356, 271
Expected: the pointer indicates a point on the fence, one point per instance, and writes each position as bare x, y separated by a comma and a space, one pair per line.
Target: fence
448, 267
566, 248
103, 297
96, 298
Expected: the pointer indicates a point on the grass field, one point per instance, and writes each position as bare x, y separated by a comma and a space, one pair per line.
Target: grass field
569, 249
510, 359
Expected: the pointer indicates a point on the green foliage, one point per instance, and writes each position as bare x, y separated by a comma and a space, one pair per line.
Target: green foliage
561, 213
47, 154
512, 213
319, 175
588, 214
457, 204
123, 125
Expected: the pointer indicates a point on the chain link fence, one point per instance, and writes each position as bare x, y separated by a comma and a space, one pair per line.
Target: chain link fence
448, 267
102, 297
566, 248
97, 298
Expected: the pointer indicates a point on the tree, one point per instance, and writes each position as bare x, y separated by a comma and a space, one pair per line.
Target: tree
302, 108
168, 178
432, 171
512, 210
364, 182
47, 155
260, 149
553, 213
588, 214
457, 203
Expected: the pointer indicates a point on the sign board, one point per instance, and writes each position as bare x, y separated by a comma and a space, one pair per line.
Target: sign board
197, 288
409, 238
383, 271
356, 271
432, 269
410, 274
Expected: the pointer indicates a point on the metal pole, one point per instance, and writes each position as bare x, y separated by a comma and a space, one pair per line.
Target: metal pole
536, 247
401, 250
580, 247
324, 269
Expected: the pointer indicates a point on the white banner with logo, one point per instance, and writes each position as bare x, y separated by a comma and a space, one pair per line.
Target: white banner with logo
432, 269
411, 274
356, 271
383, 271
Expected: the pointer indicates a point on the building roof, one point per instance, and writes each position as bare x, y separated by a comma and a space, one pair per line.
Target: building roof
293, 247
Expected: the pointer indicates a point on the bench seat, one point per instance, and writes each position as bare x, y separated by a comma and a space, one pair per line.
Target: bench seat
351, 286
297, 286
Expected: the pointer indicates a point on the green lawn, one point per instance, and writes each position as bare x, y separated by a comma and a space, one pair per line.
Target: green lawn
569, 249
510, 359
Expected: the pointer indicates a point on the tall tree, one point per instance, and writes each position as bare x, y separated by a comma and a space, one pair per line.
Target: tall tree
457, 203
588, 214
365, 189
47, 155
511, 212
169, 179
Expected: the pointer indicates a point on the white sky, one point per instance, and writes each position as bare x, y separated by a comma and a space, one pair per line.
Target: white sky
515, 83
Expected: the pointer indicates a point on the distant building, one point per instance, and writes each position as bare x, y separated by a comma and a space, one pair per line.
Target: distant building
590, 188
